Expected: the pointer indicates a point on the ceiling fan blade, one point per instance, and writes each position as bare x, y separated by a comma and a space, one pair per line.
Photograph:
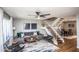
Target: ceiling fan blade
52, 18
43, 15
46, 14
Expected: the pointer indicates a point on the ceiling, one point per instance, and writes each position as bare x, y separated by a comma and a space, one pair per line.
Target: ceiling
25, 12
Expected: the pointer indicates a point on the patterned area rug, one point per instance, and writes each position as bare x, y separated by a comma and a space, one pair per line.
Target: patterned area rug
40, 46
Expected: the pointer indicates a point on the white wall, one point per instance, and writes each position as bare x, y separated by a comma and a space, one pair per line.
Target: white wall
19, 25
78, 31
1, 33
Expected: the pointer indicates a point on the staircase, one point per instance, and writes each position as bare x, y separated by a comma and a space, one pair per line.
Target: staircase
64, 44
55, 33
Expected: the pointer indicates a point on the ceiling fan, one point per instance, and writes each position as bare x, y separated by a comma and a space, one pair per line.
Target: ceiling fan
39, 15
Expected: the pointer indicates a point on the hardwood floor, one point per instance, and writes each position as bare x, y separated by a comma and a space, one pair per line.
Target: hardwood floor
69, 45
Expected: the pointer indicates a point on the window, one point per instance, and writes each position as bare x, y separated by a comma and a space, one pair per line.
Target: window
70, 25
33, 26
27, 26
30, 26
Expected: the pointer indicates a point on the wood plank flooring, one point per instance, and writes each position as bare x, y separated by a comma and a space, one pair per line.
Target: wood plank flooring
69, 45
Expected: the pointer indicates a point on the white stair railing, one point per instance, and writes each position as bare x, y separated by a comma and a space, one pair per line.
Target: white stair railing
55, 32
60, 23
47, 31
56, 21
58, 35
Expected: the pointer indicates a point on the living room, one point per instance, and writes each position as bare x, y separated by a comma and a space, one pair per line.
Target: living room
32, 27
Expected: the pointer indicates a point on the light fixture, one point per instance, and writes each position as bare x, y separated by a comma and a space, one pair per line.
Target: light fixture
38, 17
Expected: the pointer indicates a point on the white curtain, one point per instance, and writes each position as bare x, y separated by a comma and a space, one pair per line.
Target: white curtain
7, 31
